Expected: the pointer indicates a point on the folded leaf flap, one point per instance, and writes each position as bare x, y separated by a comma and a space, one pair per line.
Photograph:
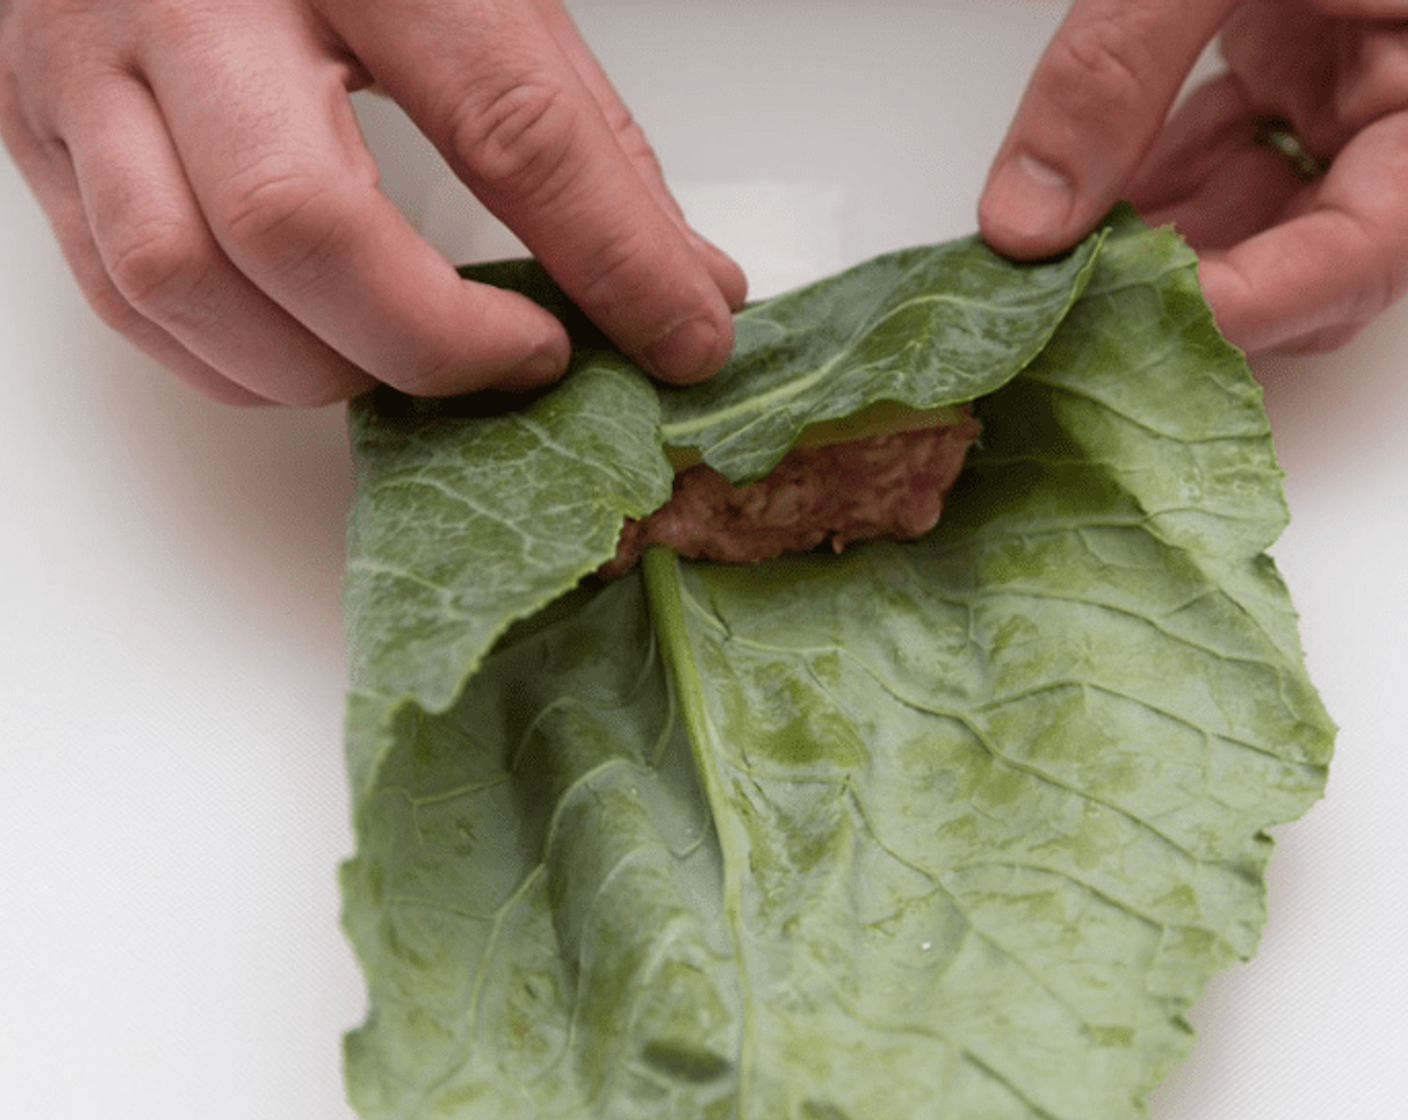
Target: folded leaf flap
925, 327
463, 525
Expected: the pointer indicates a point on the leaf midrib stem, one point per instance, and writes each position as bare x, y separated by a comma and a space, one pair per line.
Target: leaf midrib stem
662, 582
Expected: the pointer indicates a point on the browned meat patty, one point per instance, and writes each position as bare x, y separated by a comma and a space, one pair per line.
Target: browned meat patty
891, 485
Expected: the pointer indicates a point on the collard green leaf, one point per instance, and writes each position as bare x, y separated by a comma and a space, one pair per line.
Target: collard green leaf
958, 827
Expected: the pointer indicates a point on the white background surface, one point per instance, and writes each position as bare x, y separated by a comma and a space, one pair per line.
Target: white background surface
172, 799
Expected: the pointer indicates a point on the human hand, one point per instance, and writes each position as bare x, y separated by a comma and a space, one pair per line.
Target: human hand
1289, 259
206, 178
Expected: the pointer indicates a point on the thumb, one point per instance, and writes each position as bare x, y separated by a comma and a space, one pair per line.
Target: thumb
1095, 103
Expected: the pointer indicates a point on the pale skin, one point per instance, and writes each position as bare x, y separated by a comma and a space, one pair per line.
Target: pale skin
1285, 264
202, 168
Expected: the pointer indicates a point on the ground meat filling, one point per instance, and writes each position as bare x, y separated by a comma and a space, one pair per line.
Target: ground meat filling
890, 485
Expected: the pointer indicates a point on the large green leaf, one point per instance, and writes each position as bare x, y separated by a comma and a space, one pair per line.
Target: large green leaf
955, 828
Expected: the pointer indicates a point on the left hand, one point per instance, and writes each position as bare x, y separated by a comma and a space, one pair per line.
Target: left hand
1290, 259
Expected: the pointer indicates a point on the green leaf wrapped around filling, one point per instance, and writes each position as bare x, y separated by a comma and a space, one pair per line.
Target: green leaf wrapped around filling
956, 827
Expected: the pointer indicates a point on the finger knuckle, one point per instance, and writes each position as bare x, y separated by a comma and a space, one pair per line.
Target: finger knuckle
621, 274
283, 218
158, 264
628, 133
518, 137
1102, 63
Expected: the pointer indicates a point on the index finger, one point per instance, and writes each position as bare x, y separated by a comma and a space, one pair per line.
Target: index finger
1093, 107
490, 84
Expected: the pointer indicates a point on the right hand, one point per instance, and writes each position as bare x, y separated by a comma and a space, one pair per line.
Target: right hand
1287, 261
206, 178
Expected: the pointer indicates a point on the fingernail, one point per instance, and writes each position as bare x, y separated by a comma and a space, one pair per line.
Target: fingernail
1033, 198
687, 353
